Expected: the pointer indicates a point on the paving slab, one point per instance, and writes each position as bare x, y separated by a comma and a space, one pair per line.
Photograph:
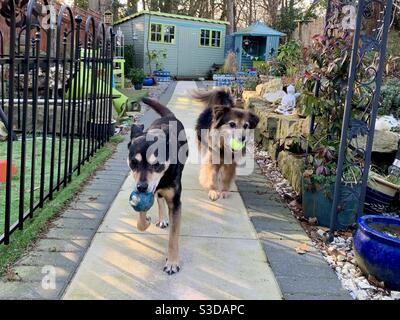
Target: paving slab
300, 277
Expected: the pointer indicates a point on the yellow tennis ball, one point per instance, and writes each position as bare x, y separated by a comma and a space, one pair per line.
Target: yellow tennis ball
236, 145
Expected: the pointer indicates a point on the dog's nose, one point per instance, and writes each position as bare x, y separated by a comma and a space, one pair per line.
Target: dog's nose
142, 186
243, 138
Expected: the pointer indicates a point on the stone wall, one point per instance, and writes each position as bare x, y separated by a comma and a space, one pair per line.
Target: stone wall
276, 132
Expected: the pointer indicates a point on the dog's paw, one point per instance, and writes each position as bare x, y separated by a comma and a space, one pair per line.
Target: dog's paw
162, 224
143, 223
171, 268
213, 195
225, 194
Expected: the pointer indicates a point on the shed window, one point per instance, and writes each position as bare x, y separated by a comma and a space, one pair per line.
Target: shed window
169, 34
215, 38
205, 38
162, 33
210, 38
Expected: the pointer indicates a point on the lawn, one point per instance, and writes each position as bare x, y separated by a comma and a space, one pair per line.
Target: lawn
21, 239
28, 173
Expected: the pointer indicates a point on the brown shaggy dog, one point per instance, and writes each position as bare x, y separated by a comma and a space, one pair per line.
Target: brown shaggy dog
216, 126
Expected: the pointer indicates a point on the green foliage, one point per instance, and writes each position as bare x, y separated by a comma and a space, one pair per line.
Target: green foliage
287, 63
286, 19
390, 98
157, 58
329, 71
323, 95
83, 4
290, 58
136, 75
250, 85
129, 55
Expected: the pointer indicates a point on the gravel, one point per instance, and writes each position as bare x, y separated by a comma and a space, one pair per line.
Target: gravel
339, 253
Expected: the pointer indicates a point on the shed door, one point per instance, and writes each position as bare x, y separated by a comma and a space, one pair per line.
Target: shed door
188, 49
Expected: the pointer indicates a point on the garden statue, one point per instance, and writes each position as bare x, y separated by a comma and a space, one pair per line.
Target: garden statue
288, 103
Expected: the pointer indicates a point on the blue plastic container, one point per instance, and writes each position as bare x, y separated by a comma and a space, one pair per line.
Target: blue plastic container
378, 253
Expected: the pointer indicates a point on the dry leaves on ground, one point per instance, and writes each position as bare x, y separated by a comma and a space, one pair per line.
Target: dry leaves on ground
302, 248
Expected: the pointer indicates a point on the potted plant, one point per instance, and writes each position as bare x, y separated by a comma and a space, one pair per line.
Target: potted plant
381, 191
136, 76
318, 187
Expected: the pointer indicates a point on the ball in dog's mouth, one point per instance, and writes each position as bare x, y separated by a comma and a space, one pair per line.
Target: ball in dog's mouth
236, 145
141, 201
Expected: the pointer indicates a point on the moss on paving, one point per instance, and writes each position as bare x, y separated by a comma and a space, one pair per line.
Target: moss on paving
20, 240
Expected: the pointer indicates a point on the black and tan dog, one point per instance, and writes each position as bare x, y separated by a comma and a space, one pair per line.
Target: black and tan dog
221, 121
156, 158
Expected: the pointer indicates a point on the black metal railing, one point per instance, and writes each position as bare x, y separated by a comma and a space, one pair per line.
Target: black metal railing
56, 103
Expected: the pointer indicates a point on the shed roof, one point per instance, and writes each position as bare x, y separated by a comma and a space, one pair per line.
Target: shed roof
169, 15
258, 29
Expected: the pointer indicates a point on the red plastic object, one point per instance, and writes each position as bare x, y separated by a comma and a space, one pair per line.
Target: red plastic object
3, 170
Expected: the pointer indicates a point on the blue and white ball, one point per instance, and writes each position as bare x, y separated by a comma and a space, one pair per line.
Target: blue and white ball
141, 201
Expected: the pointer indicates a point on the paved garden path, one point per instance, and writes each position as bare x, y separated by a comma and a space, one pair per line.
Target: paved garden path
221, 255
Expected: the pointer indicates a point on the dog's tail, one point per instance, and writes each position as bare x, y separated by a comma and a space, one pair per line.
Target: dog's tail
157, 107
222, 97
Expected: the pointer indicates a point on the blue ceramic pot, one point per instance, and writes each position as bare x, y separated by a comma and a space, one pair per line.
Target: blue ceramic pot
377, 253
148, 81
376, 202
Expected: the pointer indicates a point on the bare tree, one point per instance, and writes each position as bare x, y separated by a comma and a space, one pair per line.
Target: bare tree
230, 17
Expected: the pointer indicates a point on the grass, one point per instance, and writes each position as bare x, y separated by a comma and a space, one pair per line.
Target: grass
15, 182
33, 228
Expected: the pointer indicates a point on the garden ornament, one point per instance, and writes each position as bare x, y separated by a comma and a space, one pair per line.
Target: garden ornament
288, 103
141, 201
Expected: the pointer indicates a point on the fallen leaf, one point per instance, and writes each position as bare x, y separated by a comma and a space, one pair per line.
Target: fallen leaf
374, 281
302, 248
313, 221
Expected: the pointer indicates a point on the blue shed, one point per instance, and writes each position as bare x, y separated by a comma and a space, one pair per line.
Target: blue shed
257, 42
192, 45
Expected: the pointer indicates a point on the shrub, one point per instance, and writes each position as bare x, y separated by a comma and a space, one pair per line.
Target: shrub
390, 98
136, 75
129, 55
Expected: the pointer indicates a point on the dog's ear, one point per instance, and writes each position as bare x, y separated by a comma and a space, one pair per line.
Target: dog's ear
219, 110
253, 120
136, 130
214, 97
224, 98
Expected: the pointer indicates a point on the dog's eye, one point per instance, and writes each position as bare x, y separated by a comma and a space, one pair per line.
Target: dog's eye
232, 124
133, 164
245, 126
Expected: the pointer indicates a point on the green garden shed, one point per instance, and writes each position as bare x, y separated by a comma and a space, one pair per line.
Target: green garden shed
192, 45
257, 42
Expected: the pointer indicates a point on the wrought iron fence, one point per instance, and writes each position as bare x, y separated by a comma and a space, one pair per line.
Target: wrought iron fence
56, 102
